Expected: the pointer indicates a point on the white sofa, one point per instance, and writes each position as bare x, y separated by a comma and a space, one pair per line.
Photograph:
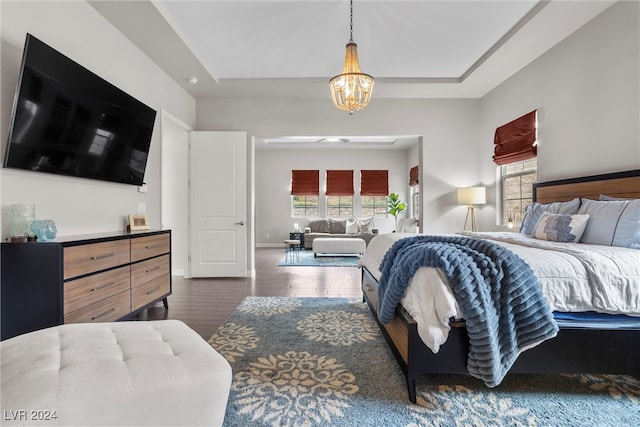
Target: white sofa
158, 373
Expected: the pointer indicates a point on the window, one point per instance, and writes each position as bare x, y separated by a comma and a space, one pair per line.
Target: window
374, 189
304, 206
305, 189
414, 179
374, 206
339, 206
339, 193
415, 202
517, 188
515, 151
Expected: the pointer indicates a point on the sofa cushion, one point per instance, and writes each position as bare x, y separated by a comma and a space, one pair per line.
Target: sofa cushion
337, 226
318, 225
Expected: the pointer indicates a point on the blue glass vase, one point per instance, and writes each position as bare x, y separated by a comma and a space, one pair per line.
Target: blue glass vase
44, 229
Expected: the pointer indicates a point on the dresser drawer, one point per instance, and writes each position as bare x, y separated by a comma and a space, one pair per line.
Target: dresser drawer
150, 269
84, 259
150, 246
150, 291
106, 310
79, 293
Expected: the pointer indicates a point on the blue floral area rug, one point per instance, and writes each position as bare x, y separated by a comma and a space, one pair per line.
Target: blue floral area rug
306, 259
323, 361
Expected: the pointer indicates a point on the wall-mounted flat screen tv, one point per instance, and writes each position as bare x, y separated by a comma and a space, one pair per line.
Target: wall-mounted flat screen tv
66, 120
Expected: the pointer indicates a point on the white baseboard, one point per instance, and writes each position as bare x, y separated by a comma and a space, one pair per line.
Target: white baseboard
177, 272
270, 245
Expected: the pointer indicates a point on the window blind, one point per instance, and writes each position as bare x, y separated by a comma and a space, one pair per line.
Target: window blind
339, 183
305, 182
413, 176
374, 183
516, 141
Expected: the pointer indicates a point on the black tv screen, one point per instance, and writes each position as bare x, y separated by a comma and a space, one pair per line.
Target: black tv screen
66, 120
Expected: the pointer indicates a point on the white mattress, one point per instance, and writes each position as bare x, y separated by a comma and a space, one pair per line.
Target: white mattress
573, 277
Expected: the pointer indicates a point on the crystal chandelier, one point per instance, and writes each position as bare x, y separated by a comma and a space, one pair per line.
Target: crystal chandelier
351, 90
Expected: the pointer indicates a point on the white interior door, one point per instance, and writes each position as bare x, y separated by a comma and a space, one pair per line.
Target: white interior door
218, 204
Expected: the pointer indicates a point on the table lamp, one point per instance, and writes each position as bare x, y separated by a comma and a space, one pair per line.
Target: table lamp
472, 196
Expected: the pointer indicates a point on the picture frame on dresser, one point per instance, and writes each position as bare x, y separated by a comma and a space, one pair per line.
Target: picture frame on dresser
138, 222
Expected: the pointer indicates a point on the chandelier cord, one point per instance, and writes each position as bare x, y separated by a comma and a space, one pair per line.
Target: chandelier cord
351, 22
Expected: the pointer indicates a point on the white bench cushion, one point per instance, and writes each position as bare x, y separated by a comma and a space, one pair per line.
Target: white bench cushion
123, 373
335, 245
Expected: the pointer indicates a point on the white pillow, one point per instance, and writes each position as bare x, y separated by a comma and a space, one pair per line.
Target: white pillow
351, 227
365, 225
561, 227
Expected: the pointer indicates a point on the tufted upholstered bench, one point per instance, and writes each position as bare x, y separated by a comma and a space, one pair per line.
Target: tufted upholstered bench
339, 245
113, 374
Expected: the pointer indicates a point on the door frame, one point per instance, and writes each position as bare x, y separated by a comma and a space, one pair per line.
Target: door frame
169, 172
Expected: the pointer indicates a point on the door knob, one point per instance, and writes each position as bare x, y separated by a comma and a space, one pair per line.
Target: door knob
240, 223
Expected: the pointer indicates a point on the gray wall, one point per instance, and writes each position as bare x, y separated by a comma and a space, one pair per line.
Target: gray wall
586, 90
77, 30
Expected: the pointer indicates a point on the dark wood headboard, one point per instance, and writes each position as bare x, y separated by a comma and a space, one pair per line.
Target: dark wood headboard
620, 184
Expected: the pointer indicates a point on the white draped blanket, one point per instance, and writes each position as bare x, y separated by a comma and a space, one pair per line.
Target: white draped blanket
573, 277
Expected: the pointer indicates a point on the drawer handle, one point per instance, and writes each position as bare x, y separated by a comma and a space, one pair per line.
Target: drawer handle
111, 310
153, 291
94, 258
152, 269
151, 247
106, 285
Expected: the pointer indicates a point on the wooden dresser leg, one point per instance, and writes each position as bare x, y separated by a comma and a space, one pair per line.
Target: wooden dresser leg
166, 303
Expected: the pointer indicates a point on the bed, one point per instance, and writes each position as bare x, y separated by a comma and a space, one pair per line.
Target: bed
603, 344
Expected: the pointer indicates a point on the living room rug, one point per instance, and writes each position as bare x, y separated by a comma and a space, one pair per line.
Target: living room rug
306, 259
323, 361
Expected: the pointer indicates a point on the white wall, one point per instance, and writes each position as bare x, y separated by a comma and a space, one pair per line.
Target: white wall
450, 130
74, 28
273, 184
586, 90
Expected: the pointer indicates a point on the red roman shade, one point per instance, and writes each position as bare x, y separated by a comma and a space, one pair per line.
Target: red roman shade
339, 183
413, 176
515, 141
305, 182
374, 183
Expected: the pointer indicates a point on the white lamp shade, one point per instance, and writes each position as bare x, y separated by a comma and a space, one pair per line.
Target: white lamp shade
472, 196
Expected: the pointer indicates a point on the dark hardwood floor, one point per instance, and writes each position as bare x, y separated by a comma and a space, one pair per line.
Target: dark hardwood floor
205, 304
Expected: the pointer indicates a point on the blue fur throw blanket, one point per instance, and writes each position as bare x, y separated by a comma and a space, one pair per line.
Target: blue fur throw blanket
499, 296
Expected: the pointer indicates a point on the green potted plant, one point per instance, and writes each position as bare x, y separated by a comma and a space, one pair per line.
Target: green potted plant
396, 206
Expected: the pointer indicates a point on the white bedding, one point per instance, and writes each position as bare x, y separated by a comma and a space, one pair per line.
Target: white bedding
573, 277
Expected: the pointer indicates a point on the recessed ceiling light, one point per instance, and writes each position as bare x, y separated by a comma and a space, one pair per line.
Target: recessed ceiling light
192, 80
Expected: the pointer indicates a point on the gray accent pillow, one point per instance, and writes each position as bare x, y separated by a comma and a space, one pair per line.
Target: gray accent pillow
365, 225
612, 222
318, 225
533, 212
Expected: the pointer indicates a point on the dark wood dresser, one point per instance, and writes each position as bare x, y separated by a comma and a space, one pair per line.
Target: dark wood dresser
87, 278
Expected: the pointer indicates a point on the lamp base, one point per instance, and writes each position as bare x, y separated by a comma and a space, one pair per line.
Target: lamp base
471, 212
